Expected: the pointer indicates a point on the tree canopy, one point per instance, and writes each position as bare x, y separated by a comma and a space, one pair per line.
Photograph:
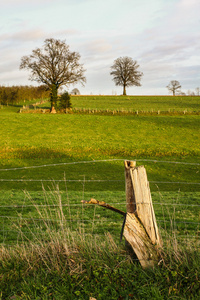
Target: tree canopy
54, 65
11, 95
174, 86
125, 72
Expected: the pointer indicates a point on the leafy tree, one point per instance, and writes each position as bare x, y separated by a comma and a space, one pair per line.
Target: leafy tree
5, 97
174, 86
54, 65
125, 72
64, 101
16, 94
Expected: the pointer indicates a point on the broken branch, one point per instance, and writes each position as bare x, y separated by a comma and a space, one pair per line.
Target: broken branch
104, 204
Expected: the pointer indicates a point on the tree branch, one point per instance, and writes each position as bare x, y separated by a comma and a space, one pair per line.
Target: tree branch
105, 205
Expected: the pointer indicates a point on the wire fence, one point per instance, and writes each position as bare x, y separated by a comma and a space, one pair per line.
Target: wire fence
38, 212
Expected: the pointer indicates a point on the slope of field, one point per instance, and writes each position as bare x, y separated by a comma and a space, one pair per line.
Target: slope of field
140, 103
35, 139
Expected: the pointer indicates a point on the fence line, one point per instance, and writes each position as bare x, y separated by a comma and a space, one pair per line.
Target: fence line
168, 162
97, 161
90, 220
63, 180
74, 220
174, 182
78, 204
89, 180
97, 234
62, 164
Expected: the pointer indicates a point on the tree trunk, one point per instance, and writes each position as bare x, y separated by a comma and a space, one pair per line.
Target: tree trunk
124, 90
53, 110
54, 97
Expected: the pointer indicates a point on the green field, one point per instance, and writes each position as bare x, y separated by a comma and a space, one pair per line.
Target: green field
140, 103
45, 159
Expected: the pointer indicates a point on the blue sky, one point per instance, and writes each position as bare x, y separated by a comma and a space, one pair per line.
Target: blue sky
162, 35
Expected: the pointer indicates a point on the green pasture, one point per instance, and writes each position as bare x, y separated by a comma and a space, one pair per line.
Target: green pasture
84, 154
140, 103
25, 215
34, 140
53, 245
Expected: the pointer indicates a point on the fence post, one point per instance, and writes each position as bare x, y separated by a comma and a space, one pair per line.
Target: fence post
130, 197
140, 230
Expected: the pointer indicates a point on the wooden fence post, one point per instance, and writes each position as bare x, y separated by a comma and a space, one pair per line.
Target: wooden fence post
140, 230
130, 197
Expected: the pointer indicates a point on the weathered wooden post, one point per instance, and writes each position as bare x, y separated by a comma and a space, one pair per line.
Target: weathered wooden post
140, 229
130, 197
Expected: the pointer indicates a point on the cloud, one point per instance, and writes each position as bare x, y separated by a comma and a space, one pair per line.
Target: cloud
7, 3
23, 35
66, 32
185, 4
28, 35
163, 36
97, 47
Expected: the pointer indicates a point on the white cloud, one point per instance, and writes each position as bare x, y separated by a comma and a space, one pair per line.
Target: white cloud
188, 3
97, 47
163, 36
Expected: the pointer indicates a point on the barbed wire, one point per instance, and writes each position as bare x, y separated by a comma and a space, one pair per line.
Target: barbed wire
91, 180
62, 180
62, 164
108, 220
168, 162
97, 234
39, 232
174, 182
98, 161
84, 205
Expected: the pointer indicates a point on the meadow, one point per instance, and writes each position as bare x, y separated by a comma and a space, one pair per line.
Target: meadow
141, 103
49, 163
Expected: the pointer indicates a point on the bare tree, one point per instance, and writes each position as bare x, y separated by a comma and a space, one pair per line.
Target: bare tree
54, 65
125, 72
197, 91
75, 91
174, 86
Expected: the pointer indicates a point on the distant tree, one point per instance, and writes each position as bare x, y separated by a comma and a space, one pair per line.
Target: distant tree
174, 86
16, 94
197, 91
5, 97
125, 72
75, 92
54, 65
42, 92
65, 101
13, 96
190, 93
181, 93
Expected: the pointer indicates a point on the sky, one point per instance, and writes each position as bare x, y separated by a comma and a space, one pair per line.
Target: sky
163, 36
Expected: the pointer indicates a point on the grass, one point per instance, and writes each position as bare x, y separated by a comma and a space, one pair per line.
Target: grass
78, 269
61, 249
140, 103
67, 263
176, 212
34, 140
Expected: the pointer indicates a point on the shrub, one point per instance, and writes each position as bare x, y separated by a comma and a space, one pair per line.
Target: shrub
64, 101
